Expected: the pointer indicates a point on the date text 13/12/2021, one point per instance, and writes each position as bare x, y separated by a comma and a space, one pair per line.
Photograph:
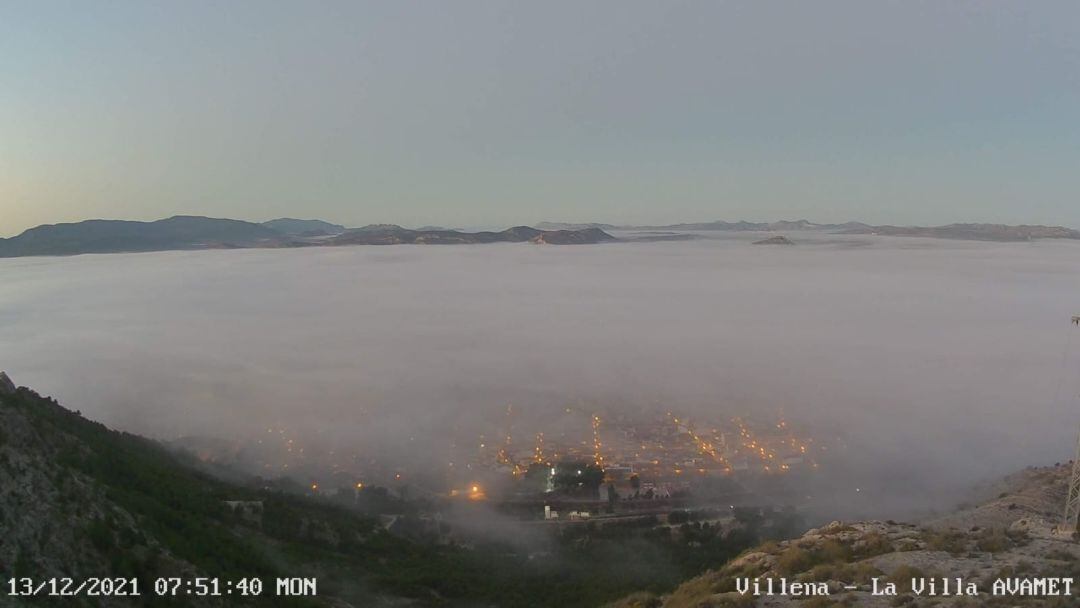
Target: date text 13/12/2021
162, 587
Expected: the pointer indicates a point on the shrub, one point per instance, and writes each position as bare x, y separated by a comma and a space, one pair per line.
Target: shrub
952, 542
902, 576
794, 560
833, 551
875, 543
993, 541
769, 546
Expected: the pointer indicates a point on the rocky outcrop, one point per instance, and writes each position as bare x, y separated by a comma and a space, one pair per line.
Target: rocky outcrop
1010, 537
56, 519
7, 387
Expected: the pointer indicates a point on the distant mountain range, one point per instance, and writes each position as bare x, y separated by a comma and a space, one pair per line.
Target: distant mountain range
191, 232
188, 232
718, 225
974, 232
109, 236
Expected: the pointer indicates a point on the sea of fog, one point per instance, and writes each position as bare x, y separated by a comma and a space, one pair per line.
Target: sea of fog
941, 362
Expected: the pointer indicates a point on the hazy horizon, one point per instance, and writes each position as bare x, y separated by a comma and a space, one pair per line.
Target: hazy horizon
489, 226
493, 113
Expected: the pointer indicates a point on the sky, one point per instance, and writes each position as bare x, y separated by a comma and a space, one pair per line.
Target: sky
496, 113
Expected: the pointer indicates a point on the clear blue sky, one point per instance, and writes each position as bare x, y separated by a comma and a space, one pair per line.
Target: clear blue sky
490, 113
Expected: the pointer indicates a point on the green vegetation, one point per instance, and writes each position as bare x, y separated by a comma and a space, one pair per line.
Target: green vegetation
993, 541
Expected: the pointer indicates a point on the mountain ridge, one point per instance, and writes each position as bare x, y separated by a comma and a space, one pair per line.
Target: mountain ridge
185, 232
396, 235
958, 231
114, 236
303, 228
196, 232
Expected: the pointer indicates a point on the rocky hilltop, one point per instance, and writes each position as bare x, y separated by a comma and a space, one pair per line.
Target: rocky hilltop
1009, 538
7, 387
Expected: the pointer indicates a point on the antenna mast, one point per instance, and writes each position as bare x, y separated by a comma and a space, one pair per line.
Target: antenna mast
1072, 503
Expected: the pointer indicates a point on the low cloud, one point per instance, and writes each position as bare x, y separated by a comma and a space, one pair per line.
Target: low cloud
938, 363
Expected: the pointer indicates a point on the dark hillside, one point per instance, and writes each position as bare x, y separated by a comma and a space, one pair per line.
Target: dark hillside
80, 500
112, 236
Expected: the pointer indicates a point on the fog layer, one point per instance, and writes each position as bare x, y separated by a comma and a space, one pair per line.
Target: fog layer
940, 363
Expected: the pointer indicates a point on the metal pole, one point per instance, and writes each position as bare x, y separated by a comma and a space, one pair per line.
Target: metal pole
1072, 502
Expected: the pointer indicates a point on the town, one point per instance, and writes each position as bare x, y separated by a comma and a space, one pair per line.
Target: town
599, 467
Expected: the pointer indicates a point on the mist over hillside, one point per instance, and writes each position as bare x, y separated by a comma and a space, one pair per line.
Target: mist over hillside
934, 363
